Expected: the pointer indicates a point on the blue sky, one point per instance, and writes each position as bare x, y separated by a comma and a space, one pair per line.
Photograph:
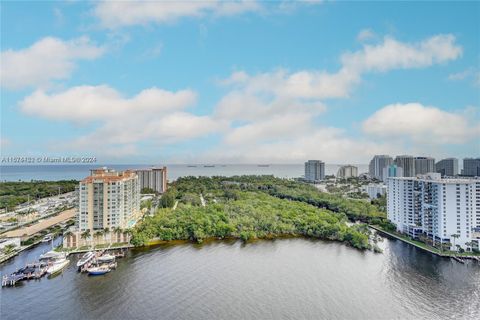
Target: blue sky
239, 82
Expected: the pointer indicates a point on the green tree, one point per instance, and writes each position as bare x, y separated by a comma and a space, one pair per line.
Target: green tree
8, 249
86, 235
147, 191
455, 236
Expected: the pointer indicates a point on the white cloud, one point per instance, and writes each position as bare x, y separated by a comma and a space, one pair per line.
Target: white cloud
317, 84
273, 115
469, 74
153, 115
237, 105
279, 127
88, 103
392, 54
112, 14
460, 75
329, 144
365, 35
422, 124
229, 8
46, 60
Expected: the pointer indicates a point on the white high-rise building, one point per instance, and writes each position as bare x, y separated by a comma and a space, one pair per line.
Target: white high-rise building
347, 171
153, 178
377, 164
375, 189
108, 199
314, 170
442, 210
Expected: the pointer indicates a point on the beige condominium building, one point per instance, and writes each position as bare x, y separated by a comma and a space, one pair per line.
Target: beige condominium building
108, 199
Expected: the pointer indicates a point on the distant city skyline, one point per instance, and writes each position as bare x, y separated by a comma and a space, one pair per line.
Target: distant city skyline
239, 82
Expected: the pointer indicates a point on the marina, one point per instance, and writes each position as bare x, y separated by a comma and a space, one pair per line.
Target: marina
52, 263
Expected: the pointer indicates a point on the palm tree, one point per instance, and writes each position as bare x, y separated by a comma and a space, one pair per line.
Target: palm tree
105, 231
118, 231
455, 236
127, 232
67, 234
98, 234
86, 234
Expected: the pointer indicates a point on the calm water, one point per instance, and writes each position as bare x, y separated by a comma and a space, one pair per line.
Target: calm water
59, 172
282, 279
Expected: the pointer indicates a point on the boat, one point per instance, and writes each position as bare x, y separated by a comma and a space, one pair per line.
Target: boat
57, 265
120, 254
56, 261
98, 271
209, 166
263, 165
191, 166
106, 258
52, 255
47, 238
85, 258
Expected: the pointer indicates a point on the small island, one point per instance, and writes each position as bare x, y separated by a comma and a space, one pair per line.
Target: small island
256, 207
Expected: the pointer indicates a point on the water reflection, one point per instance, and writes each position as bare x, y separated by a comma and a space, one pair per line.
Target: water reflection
287, 278
432, 285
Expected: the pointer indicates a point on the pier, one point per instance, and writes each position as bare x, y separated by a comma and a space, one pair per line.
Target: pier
31, 271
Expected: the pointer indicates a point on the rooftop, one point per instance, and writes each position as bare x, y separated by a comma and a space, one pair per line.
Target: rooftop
109, 175
440, 180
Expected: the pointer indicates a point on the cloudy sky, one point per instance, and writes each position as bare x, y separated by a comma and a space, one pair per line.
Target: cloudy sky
239, 82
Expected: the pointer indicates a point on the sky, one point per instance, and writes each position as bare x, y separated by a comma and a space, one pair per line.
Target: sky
239, 81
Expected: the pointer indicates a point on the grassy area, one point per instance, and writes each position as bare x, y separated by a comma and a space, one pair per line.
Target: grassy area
120, 244
102, 246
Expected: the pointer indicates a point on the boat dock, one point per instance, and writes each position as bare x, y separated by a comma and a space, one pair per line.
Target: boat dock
31, 271
102, 261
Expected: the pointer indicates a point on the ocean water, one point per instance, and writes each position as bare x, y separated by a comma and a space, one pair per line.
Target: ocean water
61, 172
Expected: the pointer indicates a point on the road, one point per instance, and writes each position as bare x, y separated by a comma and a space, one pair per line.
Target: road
39, 226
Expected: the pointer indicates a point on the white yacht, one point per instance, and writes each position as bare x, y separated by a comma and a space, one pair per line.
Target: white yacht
47, 238
85, 259
105, 258
56, 261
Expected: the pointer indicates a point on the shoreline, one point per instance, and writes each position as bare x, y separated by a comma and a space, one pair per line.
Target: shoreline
424, 246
